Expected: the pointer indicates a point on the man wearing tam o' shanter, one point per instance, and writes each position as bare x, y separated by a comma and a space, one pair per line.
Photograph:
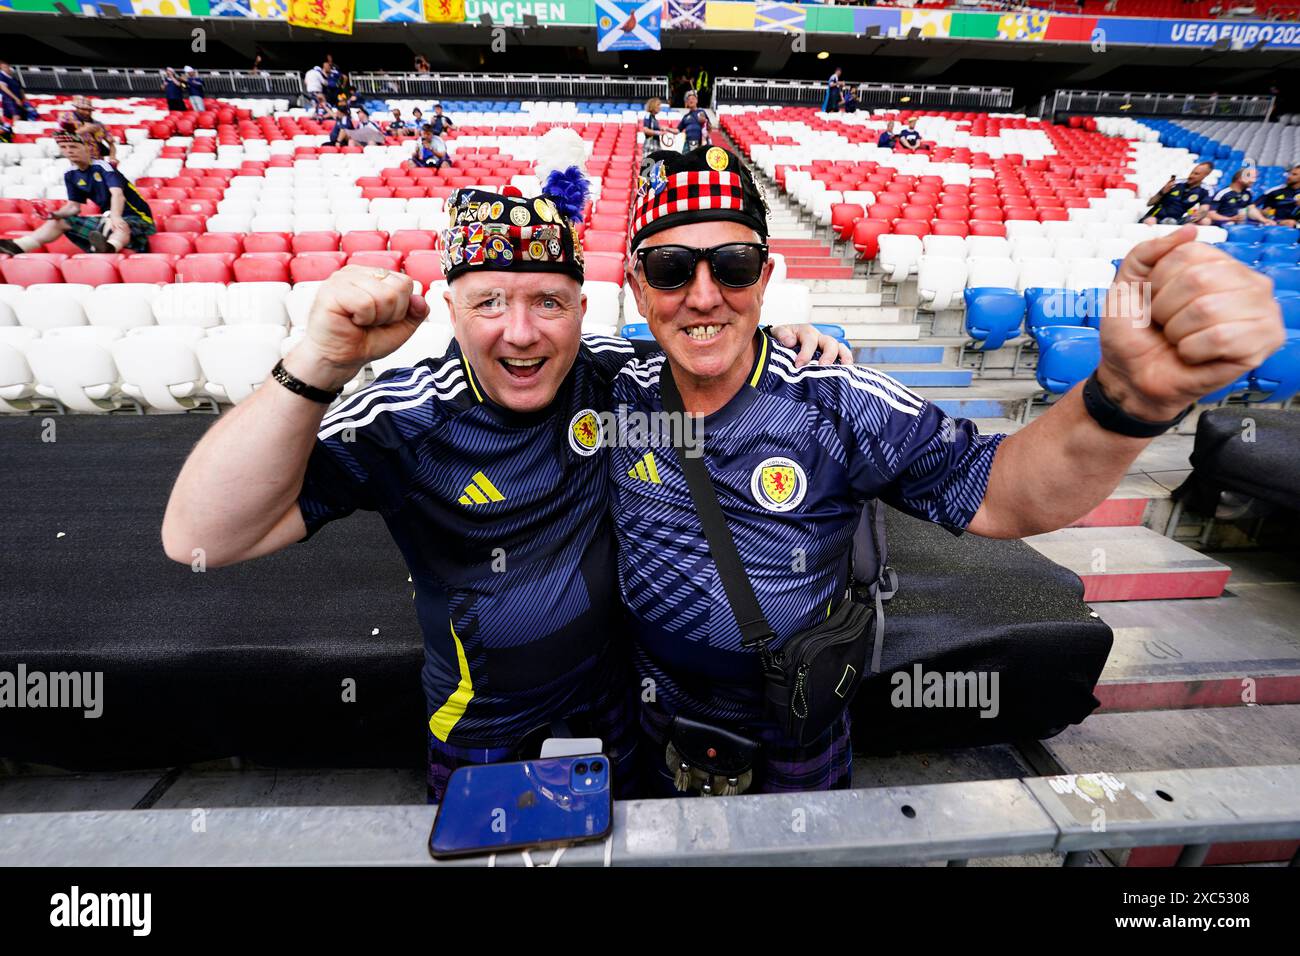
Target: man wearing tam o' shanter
487, 464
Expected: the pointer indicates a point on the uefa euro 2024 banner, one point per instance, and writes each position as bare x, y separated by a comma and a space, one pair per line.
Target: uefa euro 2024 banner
769, 15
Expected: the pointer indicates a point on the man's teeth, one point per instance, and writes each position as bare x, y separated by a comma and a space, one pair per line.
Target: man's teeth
523, 363
703, 331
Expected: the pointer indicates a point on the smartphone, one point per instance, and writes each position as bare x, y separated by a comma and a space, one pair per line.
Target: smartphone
551, 802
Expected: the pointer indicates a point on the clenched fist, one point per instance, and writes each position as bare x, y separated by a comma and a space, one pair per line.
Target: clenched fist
1211, 319
361, 313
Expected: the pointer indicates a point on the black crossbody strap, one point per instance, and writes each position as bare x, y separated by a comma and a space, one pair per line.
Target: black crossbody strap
754, 628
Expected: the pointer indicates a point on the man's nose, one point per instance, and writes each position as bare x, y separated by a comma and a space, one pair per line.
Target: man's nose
703, 294
520, 331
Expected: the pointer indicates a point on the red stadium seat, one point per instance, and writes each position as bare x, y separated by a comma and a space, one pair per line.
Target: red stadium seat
911, 227
91, 269
980, 227
268, 242
986, 213
148, 267
367, 241
26, 270
866, 235
376, 259
13, 222
176, 244
843, 217
183, 224
945, 227
884, 211
424, 266
315, 242
201, 267
918, 213
262, 267
608, 223
600, 241
232, 242
315, 266
1053, 215
408, 240
600, 268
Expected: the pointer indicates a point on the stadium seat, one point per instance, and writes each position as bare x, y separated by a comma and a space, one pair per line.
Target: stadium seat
899, 256
1290, 305
229, 243
77, 370
866, 237
172, 243
599, 269
236, 359
939, 280
256, 302
93, 270
121, 305
1278, 378
204, 267
268, 242
190, 303
1246, 252
409, 240
431, 339
637, 330
315, 242
369, 240
1281, 235
1067, 355
316, 266
1054, 306
991, 272
424, 266
993, 315
1272, 254
603, 309
299, 301
17, 382
597, 241
160, 371
54, 306
262, 267
148, 267
27, 270
376, 259
1041, 273
1284, 277
786, 303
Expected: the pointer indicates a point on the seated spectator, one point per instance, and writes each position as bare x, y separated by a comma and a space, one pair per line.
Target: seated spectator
13, 101
1232, 203
126, 217
6, 130
440, 121
81, 120
431, 151
1180, 202
398, 126
365, 132
322, 110
909, 139
417, 120
342, 123
887, 137
1280, 205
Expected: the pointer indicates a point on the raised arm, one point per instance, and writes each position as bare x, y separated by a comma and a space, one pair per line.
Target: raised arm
1209, 320
236, 497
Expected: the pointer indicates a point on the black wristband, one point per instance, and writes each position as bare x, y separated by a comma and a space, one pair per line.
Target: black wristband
299, 387
1114, 419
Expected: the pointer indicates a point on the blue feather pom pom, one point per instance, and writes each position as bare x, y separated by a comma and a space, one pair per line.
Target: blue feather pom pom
568, 189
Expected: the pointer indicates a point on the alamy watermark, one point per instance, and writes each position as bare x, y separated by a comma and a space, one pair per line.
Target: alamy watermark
75, 690
635, 429
947, 689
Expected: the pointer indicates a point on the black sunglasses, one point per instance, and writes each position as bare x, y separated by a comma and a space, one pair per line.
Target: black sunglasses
734, 264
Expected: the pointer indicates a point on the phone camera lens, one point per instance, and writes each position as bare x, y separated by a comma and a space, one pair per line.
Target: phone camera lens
597, 766
580, 769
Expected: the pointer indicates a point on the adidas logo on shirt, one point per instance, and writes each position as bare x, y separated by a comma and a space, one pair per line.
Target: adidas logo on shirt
645, 470
480, 491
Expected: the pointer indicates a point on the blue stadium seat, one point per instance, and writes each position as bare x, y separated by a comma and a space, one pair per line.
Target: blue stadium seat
1281, 235
1273, 254
1278, 379
1240, 385
993, 315
1290, 303
1246, 252
1067, 355
1284, 277
637, 330
834, 331
1092, 302
1049, 307
1241, 232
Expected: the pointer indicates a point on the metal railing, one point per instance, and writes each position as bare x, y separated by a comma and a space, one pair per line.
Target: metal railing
1115, 103
148, 82
752, 91
527, 86
1072, 815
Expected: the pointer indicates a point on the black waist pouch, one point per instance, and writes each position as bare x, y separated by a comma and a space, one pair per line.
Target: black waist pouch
811, 680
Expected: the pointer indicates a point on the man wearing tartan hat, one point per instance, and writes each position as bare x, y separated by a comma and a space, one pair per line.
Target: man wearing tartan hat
126, 220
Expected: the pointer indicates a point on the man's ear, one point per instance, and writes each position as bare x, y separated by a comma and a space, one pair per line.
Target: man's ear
634, 284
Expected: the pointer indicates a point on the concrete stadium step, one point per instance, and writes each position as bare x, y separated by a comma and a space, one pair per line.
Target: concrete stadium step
1137, 501
927, 376
1239, 649
857, 284
1132, 564
819, 272
983, 399
875, 354
1181, 740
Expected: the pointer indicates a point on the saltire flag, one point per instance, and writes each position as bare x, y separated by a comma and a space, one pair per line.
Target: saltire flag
95, 8
628, 24
685, 15
231, 8
332, 16
444, 11
400, 11
160, 8
780, 17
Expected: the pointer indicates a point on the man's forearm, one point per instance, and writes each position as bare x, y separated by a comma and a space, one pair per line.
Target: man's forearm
117, 202
1053, 471
243, 478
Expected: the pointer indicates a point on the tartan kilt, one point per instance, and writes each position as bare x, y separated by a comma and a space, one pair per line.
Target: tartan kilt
81, 228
